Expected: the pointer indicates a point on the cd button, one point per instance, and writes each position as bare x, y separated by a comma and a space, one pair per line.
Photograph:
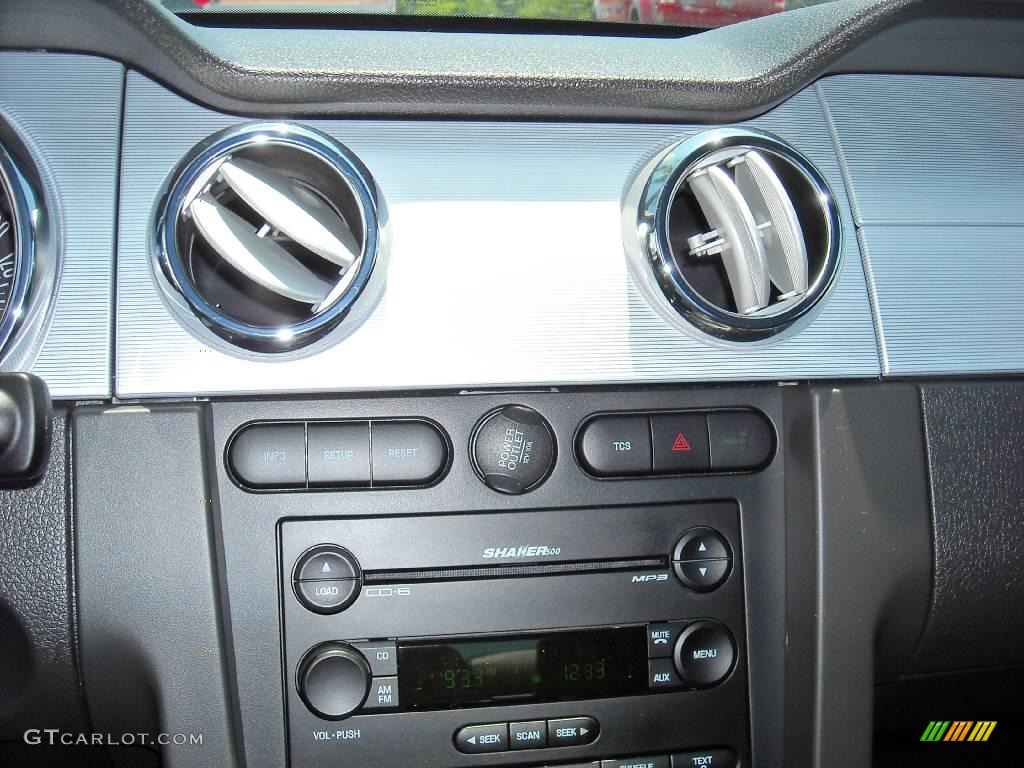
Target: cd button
529, 735
572, 731
382, 657
477, 739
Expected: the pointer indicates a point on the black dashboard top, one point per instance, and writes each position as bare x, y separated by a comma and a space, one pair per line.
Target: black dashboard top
721, 75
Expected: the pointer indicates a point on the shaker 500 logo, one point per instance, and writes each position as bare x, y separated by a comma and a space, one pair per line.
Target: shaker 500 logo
511, 553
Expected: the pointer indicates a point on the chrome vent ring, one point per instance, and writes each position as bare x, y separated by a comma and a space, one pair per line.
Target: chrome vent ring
732, 232
267, 237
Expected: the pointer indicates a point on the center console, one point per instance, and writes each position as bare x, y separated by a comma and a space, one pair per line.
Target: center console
525, 578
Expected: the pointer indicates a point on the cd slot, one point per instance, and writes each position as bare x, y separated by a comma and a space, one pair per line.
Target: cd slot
513, 570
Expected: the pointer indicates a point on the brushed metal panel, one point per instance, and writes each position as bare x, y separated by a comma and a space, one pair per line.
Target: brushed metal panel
506, 264
931, 149
949, 298
67, 109
936, 169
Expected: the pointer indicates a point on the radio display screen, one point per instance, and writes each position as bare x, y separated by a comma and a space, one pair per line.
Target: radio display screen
515, 669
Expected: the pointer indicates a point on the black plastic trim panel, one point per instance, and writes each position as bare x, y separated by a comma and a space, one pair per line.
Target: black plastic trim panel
39, 681
975, 433
857, 561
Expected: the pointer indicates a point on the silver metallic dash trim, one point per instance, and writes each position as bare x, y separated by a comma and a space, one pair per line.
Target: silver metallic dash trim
506, 265
869, 278
65, 109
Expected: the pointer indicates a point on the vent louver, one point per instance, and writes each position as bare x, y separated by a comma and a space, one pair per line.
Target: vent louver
733, 232
268, 236
25, 288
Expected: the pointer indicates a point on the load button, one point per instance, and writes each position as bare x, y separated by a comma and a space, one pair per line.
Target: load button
572, 731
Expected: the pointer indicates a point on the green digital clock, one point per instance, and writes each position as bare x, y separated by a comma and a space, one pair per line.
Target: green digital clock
523, 668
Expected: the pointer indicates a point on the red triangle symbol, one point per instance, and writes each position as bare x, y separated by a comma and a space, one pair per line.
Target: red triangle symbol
680, 444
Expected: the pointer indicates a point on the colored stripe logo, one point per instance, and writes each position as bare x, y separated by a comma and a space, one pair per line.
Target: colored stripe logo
958, 730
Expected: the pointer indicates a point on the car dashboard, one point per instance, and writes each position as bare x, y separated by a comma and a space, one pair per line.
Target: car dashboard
377, 394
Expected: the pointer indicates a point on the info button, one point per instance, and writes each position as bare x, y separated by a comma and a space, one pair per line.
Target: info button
269, 456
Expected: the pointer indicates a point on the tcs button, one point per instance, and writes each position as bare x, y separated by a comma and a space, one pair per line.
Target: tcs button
513, 449
611, 446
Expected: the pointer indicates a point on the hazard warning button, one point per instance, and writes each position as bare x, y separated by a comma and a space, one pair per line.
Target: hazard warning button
680, 443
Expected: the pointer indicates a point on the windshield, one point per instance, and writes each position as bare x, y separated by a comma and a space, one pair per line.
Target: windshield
683, 13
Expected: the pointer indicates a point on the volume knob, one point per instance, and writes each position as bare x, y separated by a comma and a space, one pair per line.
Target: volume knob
333, 680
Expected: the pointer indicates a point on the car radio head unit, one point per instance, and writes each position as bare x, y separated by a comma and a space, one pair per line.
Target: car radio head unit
574, 635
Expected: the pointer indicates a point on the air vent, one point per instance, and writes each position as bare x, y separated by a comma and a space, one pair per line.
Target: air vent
19, 216
267, 238
732, 232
